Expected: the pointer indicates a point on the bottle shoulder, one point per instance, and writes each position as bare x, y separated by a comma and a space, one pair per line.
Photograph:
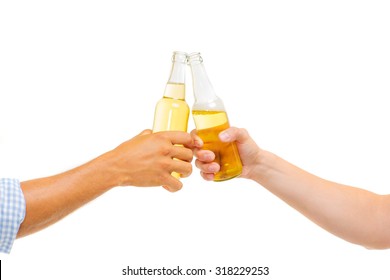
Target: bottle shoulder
175, 91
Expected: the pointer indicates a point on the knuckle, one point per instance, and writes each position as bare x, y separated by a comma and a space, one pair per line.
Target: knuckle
166, 151
163, 178
166, 165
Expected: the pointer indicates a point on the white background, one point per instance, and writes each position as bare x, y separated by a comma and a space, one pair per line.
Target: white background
308, 79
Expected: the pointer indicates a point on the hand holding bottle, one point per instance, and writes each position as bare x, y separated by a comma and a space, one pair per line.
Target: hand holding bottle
148, 159
248, 150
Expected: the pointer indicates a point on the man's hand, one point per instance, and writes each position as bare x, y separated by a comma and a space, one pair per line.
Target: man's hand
148, 159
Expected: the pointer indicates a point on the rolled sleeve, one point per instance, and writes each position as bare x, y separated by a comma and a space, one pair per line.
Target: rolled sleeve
12, 212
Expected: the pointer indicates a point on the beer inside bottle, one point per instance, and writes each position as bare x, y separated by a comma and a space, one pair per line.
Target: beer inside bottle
209, 124
172, 111
210, 119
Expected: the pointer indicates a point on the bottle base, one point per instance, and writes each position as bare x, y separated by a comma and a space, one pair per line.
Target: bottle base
226, 178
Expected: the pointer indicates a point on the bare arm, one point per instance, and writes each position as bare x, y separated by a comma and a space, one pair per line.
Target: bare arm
354, 214
145, 160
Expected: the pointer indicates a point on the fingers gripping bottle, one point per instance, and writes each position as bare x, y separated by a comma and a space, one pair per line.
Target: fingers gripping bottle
210, 119
172, 111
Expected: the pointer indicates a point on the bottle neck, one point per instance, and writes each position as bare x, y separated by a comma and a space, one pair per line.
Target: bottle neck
204, 94
176, 83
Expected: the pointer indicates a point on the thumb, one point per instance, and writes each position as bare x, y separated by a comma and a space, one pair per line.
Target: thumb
198, 143
146, 132
232, 134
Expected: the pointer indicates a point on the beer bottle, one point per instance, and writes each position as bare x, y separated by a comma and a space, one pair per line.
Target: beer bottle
172, 111
210, 119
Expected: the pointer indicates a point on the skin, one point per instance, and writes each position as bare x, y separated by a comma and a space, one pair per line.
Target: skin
146, 160
353, 214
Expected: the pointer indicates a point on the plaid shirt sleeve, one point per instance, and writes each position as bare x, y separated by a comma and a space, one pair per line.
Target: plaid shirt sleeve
12, 212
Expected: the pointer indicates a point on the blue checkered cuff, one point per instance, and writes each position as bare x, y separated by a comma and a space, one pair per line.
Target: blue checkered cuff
12, 212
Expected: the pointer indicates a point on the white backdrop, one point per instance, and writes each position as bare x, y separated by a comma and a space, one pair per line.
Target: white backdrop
308, 79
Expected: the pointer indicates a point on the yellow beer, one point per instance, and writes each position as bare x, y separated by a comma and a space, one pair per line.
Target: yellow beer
172, 111
209, 124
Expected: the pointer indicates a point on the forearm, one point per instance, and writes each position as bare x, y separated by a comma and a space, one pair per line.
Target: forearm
353, 214
50, 199
144, 160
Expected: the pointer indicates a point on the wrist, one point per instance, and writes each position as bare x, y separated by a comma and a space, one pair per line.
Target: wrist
101, 172
262, 166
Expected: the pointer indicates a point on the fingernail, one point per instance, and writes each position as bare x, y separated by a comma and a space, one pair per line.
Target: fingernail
207, 157
212, 169
198, 143
224, 136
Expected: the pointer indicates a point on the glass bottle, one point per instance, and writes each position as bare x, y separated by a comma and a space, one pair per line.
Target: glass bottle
172, 111
210, 119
